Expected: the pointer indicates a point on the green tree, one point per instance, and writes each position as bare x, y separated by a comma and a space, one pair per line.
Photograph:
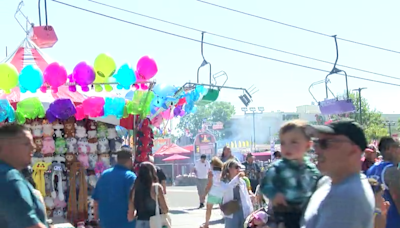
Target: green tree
219, 111
372, 120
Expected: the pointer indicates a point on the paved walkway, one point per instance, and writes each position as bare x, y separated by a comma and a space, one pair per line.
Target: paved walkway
194, 218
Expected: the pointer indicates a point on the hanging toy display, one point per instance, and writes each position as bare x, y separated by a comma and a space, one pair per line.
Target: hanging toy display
145, 143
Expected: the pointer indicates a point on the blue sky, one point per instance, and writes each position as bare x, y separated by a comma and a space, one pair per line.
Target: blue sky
82, 36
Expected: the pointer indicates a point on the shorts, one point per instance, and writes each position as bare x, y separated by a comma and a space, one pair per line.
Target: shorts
213, 199
201, 186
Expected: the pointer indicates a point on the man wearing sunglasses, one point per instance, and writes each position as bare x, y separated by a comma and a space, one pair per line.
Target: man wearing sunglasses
344, 197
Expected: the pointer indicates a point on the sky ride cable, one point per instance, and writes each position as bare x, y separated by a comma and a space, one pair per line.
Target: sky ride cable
238, 40
216, 45
296, 27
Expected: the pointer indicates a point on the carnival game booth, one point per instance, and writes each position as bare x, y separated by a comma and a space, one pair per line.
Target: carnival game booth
73, 121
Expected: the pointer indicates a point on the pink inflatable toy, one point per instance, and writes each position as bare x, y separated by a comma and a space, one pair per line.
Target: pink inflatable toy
94, 106
55, 75
83, 76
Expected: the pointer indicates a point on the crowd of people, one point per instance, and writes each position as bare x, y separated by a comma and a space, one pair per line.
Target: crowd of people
336, 190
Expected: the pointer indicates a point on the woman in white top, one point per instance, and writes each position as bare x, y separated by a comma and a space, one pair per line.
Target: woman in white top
236, 190
214, 189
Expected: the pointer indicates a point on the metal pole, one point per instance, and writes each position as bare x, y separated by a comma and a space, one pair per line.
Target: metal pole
359, 97
254, 130
360, 104
390, 129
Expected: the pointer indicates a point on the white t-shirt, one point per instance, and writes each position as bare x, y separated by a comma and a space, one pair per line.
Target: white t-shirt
349, 204
202, 169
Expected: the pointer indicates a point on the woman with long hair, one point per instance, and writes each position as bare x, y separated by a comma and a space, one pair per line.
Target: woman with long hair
213, 189
142, 204
227, 154
236, 203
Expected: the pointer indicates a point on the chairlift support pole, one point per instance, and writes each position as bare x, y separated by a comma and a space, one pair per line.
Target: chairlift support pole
204, 63
336, 71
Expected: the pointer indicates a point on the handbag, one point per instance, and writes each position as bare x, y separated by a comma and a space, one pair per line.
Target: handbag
159, 220
230, 207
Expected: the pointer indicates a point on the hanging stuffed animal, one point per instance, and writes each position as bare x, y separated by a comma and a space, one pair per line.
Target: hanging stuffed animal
80, 129
28, 124
49, 202
58, 128
47, 183
111, 132
48, 158
92, 160
113, 159
48, 146
83, 145
37, 156
37, 129
93, 144
103, 146
92, 181
105, 158
70, 158
72, 146
69, 127
91, 127
59, 159
102, 130
38, 144
47, 129
99, 168
115, 144
77, 201
84, 160
61, 146
59, 204
57, 170
39, 169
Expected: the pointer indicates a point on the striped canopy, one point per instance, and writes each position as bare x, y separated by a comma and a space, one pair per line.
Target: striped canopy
29, 54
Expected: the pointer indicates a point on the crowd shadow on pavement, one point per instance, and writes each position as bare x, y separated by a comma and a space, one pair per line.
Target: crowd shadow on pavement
178, 212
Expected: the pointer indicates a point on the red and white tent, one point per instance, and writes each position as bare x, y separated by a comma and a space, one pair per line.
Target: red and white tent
29, 54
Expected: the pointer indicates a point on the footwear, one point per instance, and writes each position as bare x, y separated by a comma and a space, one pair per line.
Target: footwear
201, 205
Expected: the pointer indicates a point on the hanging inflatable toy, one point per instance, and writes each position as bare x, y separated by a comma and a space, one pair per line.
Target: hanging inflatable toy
114, 106
61, 109
8, 77
94, 106
104, 67
125, 77
6, 111
29, 108
55, 75
146, 68
30, 79
83, 75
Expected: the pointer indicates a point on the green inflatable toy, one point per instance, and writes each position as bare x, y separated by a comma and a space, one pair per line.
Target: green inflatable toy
29, 108
8, 77
104, 66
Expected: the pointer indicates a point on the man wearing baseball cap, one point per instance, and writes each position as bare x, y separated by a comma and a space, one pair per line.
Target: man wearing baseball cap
343, 198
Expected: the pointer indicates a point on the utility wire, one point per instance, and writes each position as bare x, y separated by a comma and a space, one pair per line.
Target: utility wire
237, 40
296, 27
216, 45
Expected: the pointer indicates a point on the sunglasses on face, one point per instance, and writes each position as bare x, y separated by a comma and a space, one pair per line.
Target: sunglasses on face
325, 143
235, 167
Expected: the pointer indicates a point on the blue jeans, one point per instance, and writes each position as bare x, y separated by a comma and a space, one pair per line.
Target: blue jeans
142, 224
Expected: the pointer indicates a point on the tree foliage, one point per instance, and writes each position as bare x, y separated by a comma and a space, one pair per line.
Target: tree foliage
219, 111
372, 120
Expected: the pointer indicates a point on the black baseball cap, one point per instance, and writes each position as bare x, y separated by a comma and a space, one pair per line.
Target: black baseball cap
348, 128
203, 156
